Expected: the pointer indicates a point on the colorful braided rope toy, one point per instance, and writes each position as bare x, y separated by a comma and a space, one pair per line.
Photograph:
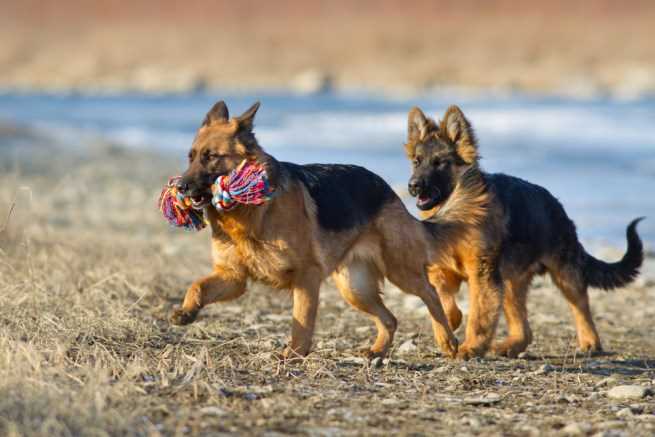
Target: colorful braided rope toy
245, 185
178, 209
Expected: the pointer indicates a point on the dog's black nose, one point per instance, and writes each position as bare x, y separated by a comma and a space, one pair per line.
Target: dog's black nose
413, 187
182, 186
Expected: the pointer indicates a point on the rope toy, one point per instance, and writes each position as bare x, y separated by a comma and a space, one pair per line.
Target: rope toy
177, 208
246, 185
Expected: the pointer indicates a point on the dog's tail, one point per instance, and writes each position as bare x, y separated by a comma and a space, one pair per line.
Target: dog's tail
608, 276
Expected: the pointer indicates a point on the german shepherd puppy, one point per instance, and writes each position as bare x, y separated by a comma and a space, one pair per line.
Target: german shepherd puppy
323, 219
504, 231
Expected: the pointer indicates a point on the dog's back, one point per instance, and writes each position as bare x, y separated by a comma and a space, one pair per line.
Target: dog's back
345, 195
536, 223
538, 230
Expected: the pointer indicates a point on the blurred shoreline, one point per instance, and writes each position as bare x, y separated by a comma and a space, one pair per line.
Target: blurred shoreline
590, 49
40, 164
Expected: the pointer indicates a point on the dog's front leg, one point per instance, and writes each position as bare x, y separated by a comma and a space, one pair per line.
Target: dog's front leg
485, 299
305, 307
223, 284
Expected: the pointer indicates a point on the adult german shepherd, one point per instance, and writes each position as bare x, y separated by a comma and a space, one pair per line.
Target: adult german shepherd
505, 231
323, 219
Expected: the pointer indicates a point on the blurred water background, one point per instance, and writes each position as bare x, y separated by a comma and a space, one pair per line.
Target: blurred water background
596, 155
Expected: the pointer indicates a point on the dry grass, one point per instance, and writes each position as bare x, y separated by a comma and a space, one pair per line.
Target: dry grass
89, 273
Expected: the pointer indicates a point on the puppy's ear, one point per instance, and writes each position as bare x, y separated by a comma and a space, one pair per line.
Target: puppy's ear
457, 129
418, 125
246, 121
218, 114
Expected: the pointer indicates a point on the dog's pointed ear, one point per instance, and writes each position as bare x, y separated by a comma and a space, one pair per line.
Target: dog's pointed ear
417, 124
457, 129
246, 121
218, 114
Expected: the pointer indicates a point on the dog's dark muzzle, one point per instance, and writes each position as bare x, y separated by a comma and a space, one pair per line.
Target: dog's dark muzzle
200, 194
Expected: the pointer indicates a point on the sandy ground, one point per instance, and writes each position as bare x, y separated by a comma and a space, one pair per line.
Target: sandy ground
584, 49
89, 274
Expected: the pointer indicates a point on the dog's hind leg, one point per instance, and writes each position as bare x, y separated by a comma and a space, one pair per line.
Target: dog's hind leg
406, 246
415, 281
569, 280
359, 283
516, 313
222, 285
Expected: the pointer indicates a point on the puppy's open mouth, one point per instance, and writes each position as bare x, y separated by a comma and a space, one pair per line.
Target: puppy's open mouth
200, 201
428, 200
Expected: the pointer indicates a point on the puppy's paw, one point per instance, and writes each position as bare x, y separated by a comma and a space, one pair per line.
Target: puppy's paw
467, 352
182, 317
509, 349
370, 354
591, 348
291, 355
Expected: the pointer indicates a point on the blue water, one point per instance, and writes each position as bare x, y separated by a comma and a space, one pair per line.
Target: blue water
596, 156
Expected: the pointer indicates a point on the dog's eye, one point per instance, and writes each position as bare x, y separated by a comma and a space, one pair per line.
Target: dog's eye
191, 156
210, 156
417, 161
216, 156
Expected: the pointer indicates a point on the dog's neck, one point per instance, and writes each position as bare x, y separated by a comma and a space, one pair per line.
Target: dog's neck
468, 204
244, 221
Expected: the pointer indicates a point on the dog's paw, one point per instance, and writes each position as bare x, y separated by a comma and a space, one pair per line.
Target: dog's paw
449, 347
467, 352
591, 348
290, 355
182, 317
370, 354
509, 349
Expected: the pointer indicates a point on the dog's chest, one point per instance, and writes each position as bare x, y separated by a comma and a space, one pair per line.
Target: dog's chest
268, 257
270, 262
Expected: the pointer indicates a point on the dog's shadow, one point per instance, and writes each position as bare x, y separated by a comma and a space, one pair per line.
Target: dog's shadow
599, 363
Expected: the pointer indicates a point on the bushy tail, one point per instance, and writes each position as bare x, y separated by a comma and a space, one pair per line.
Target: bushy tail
608, 276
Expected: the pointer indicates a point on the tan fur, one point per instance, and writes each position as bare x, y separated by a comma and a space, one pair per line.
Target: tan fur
281, 244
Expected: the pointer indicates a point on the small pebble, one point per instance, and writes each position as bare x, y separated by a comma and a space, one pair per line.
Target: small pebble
407, 347
545, 369
354, 360
487, 399
624, 413
474, 422
605, 381
577, 428
627, 392
594, 396
636, 408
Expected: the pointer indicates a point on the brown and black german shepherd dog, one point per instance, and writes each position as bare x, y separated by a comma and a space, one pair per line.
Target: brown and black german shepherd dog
323, 219
504, 231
